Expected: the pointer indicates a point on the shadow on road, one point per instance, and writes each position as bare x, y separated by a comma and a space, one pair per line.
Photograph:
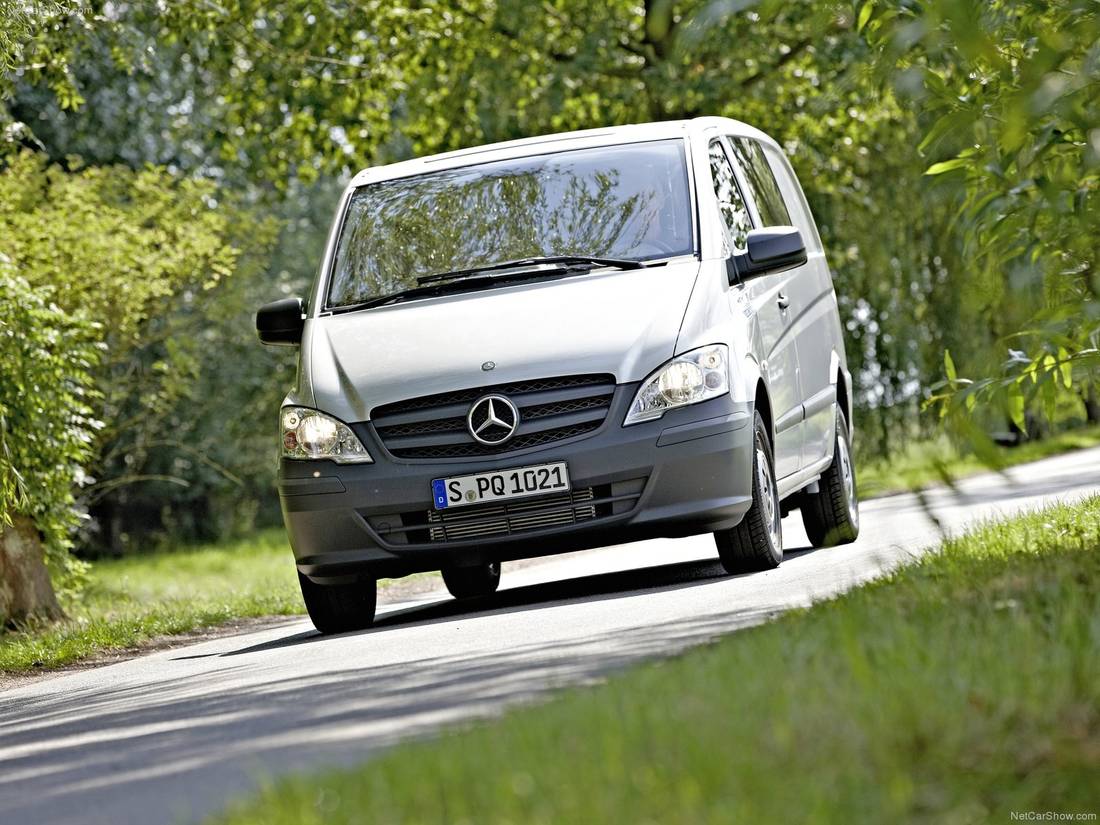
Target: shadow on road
598, 587
223, 724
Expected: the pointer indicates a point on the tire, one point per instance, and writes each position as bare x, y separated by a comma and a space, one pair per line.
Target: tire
472, 582
757, 542
831, 515
339, 608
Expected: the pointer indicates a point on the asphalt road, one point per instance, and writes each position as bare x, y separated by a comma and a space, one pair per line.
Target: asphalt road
173, 735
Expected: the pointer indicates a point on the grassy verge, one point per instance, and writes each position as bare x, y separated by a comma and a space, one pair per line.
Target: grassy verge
936, 461
959, 689
129, 601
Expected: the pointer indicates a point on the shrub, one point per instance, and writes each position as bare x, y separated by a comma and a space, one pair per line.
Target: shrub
47, 357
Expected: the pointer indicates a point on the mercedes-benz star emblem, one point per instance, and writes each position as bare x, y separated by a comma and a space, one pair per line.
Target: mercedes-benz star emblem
492, 419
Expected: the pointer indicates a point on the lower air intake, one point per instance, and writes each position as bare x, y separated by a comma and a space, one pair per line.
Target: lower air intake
505, 518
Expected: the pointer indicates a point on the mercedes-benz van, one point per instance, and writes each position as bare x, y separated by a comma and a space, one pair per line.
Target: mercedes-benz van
558, 343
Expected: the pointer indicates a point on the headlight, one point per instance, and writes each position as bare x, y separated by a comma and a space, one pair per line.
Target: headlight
686, 379
308, 434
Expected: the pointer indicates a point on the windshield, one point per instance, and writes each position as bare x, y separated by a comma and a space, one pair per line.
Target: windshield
629, 201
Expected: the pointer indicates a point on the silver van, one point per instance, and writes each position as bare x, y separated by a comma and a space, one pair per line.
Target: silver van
560, 343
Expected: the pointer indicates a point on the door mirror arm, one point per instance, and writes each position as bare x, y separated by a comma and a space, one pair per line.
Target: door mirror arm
733, 274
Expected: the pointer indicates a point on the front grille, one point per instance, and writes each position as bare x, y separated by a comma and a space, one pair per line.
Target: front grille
506, 518
550, 410
443, 425
544, 410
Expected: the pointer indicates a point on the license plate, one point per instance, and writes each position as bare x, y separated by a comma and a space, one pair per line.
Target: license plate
520, 482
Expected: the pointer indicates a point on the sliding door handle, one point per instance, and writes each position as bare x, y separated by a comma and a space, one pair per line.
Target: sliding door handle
783, 300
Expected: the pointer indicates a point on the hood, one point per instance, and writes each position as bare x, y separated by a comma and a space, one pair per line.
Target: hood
619, 322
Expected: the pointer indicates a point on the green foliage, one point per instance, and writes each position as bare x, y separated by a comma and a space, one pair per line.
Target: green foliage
1009, 91
47, 358
35, 39
149, 255
958, 689
15, 25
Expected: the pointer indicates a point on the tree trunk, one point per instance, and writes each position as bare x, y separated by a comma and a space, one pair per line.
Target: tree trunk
1037, 427
1092, 404
25, 589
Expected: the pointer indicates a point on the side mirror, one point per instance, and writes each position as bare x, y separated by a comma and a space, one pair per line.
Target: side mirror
280, 323
771, 250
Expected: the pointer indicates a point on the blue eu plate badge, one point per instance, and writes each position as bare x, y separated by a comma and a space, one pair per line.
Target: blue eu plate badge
439, 493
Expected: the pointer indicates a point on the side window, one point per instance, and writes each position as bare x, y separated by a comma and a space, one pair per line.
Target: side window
794, 198
761, 182
730, 203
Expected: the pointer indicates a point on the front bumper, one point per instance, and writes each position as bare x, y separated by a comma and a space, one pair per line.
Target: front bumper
688, 472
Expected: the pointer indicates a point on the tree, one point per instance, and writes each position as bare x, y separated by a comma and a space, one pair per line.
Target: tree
151, 257
110, 279
1011, 90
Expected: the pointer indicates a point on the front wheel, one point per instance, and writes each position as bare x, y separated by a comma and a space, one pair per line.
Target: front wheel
831, 515
471, 582
757, 542
338, 608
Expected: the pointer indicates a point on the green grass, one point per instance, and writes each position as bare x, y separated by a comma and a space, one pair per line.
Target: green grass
128, 601
936, 461
959, 689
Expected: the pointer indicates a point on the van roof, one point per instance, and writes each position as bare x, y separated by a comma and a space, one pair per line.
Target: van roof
631, 133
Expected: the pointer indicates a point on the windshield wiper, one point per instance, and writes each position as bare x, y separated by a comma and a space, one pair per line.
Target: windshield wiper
463, 283
470, 279
619, 263
391, 298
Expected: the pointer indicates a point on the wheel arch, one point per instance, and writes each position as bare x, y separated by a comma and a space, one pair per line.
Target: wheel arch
762, 403
844, 399
843, 391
